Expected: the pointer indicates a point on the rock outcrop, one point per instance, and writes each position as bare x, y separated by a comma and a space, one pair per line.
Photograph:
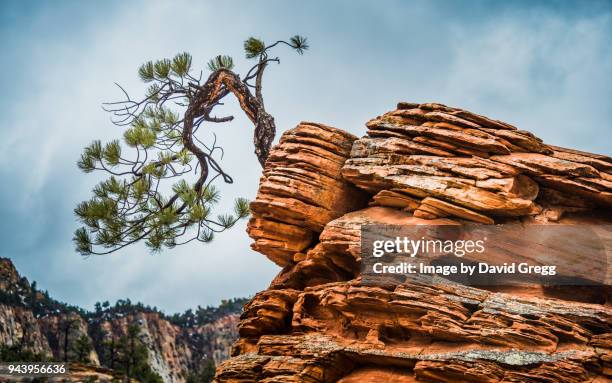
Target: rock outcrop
419, 164
301, 190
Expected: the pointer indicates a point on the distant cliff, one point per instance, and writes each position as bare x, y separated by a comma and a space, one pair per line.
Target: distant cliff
176, 346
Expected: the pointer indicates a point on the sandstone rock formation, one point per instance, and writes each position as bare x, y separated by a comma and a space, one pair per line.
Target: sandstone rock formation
301, 190
419, 164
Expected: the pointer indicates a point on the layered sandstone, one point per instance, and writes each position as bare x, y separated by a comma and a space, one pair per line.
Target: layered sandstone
419, 164
301, 190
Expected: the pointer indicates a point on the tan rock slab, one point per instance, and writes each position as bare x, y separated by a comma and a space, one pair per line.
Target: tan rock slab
394, 199
457, 211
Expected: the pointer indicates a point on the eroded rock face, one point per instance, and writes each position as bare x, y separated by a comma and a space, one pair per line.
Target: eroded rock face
419, 164
301, 190
475, 165
173, 351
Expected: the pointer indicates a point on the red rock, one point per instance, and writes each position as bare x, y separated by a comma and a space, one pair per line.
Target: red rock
392, 198
462, 192
538, 164
318, 322
597, 161
456, 211
301, 190
377, 375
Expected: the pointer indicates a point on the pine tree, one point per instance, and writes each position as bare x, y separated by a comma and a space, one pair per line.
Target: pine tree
32, 296
148, 195
66, 326
109, 352
16, 353
82, 348
132, 356
205, 374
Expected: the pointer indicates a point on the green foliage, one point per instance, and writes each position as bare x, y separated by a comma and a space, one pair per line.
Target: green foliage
299, 43
129, 206
206, 236
82, 240
17, 353
91, 155
147, 71
241, 208
181, 64
81, 348
204, 374
226, 220
142, 133
107, 351
132, 358
209, 314
253, 47
178, 66
112, 153
221, 62
210, 194
162, 68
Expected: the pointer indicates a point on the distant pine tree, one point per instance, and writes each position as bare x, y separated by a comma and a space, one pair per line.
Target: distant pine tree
205, 374
16, 353
82, 347
65, 335
132, 358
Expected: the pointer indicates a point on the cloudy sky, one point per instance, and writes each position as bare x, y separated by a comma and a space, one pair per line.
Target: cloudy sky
545, 68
